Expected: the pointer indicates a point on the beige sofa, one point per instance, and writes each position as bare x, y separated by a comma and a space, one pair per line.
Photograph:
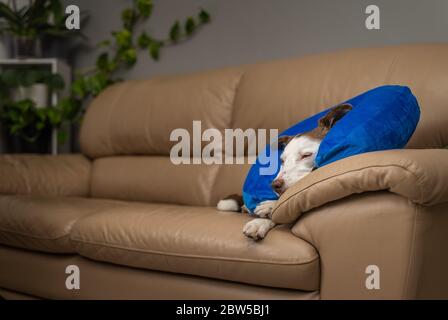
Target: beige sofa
138, 226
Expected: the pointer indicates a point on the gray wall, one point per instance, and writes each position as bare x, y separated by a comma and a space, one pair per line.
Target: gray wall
246, 31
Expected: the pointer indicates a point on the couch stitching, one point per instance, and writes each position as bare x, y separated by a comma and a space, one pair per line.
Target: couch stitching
404, 293
70, 225
145, 251
344, 173
109, 117
235, 97
391, 69
22, 234
224, 151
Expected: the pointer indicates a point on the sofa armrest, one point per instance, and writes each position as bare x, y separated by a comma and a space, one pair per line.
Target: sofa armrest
64, 175
405, 241
421, 176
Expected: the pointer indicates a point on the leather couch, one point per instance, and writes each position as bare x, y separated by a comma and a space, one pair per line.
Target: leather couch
139, 227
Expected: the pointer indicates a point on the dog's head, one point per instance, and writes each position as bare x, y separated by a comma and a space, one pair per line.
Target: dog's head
300, 151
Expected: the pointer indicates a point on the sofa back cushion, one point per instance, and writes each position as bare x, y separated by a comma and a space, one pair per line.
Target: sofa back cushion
280, 93
156, 179
136, 118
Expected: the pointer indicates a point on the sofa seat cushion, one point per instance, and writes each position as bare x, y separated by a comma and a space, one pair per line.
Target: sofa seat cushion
43, 223
198, 241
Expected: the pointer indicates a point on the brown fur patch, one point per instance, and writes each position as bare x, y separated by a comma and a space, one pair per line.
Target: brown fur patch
283, 141
328, 121
318, 133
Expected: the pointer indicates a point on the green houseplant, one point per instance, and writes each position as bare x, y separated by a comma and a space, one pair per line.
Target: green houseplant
119, 53
27, 120
24, 119
28, 25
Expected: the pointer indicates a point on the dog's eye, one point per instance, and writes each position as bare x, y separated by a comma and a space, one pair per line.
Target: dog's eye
306, 155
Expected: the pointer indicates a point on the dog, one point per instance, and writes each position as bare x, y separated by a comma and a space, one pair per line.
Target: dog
297, 161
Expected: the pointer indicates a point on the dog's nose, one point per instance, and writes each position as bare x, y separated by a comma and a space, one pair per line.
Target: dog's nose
277, 185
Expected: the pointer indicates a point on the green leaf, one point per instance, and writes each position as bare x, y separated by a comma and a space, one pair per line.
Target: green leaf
56, 9
10, 78
104, 44
204, 16
128, 17
123, 38
8, 14
13, 115
175, 32
62, 136
130, 56
25, 105
102, 62
145, 7
56, 82
54, 116
15, 129
97, 83
79, 87
154, 50
190, 26
42, 114
70, 108
28, 78
40, 125
144, 40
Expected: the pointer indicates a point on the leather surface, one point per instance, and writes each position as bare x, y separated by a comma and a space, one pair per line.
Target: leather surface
137, 117
197, 241
229, 181
433, 239
156, 179
419, 175
407, 242
279, 94
64, 175
43, 275
12, 295
44, 223
153, 179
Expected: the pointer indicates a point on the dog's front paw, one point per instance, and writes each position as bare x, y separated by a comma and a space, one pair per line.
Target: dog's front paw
258, 228
264, 209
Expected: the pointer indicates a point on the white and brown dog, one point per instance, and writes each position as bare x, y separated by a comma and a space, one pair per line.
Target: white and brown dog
297, 161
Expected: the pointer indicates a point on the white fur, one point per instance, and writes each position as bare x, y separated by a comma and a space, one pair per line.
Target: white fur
258, 228
264, 209
228, 205
294, 165
297, 161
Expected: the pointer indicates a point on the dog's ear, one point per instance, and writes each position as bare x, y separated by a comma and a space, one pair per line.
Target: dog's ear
336, 114
283, 141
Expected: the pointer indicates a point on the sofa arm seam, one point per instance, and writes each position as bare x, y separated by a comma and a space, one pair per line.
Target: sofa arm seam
405, 294
347, 172
146, 251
